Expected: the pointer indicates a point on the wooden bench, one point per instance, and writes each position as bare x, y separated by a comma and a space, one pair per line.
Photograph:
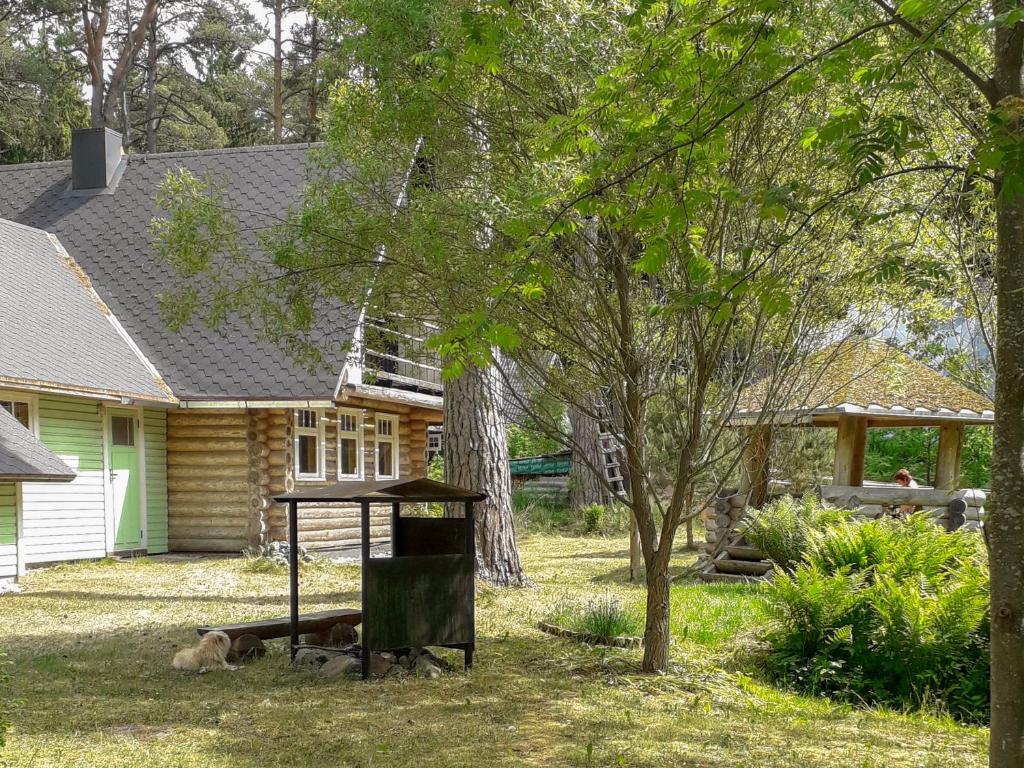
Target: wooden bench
271, 628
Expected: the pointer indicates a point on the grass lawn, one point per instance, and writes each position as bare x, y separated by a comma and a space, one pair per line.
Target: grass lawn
91, 647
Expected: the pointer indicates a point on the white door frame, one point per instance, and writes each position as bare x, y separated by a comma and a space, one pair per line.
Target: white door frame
20, 567
108, 482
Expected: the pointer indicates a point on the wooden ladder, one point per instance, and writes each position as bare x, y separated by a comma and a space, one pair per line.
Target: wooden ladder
611, 451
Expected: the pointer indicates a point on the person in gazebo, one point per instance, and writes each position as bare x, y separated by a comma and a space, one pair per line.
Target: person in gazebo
904, 478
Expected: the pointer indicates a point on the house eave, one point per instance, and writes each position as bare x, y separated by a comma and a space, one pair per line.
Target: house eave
390, 395
75, 390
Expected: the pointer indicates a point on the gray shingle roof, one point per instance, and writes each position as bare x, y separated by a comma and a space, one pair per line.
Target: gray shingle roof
108, 234
55, 330
23, 457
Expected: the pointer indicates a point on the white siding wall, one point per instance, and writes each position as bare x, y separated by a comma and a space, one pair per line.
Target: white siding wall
65, 521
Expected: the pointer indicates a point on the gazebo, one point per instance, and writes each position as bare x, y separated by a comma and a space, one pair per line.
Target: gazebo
422, 594
852, 386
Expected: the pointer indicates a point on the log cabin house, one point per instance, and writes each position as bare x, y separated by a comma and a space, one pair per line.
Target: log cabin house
241, 421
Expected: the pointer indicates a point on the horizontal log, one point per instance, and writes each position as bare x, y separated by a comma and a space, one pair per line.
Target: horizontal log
207, 499
219, 484
189, 513
267, 629
214, 528
840, 495
178, 472
186, 431
227, 445
319, 523
325, 537
190, 544
206, 418
199, 460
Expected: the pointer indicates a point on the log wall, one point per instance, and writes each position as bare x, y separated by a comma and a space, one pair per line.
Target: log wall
225, 467
865, 502
208, 480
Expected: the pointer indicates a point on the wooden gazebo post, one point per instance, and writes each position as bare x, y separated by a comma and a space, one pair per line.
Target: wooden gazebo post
851, 446
947, 460
754, 465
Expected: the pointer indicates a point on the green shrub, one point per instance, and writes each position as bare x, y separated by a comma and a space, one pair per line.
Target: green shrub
784, 528
603, 617
887, 612
545, 514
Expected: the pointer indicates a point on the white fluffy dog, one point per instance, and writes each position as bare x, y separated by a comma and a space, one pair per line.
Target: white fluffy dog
212, 651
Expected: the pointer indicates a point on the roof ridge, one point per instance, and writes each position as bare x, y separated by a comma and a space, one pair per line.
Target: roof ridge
29, 227
39, 164
145, 156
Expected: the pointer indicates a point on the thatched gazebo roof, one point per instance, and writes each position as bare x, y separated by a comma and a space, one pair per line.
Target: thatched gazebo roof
868, 378
851, 386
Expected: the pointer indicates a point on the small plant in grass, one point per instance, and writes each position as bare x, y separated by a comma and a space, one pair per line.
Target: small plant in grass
252, 563
593, 518
604, 617
783, 530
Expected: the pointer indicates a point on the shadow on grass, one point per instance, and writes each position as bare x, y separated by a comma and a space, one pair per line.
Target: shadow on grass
350, 598
623, 554
620, 575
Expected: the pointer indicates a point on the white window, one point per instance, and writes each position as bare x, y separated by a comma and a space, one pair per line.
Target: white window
387, 447
350, 445
20, 408
309, 445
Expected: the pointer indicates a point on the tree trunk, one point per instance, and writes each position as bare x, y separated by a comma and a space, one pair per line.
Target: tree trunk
313, 132
636, 557
278, 58
1005, 524
122, 68
656, 630
476, 457
95, 31
586, 487
151, 65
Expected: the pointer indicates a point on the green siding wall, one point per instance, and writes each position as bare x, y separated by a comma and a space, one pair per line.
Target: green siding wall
67, 521
156, 480
8, 531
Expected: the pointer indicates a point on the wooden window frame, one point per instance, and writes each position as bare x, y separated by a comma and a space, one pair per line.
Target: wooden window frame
392, 439
360, 451
321, 444
28, 398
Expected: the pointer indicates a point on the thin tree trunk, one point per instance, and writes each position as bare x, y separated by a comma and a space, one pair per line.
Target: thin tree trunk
656, 629
278, 58
586, 487
132, 46
313, 132
95, 31
636, 556
1005, 524
151, 65
476, 457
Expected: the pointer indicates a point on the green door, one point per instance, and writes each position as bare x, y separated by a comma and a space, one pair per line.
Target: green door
124, 480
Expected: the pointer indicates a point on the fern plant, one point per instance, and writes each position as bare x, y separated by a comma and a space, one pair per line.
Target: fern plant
783, 529
887, 612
